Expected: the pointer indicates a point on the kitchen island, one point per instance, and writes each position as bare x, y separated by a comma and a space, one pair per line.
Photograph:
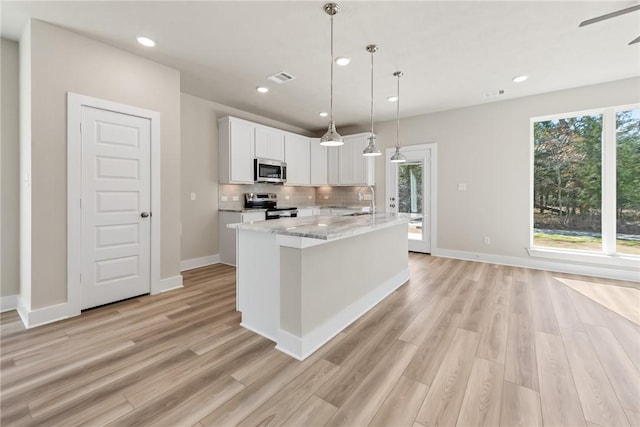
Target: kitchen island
300, 281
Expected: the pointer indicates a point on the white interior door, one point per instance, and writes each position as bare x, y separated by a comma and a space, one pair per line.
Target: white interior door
115, 204
409, 192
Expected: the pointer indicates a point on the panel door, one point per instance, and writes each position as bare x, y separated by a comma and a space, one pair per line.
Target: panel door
116, 180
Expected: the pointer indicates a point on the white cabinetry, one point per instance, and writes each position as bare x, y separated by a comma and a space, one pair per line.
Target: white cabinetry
346, 164
296, 154
269, 143
353, 167
228, 235
318, 161
305, 212
236, 150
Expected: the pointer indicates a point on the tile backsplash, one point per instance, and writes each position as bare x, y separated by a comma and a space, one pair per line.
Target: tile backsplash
291, 196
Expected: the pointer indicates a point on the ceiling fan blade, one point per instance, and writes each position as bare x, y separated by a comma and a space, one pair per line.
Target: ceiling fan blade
609, 15
636, 40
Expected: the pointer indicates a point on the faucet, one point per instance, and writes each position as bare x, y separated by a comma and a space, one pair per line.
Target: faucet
373, 197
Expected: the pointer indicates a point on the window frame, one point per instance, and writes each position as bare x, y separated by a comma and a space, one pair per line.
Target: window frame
607, 255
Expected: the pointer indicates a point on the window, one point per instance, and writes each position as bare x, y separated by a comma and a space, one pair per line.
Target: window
586, 181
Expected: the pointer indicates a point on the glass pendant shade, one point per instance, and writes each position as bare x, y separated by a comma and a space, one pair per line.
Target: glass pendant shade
332, 138
398, 157
371, 149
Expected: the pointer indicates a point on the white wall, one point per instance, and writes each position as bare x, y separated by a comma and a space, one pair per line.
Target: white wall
199, 171
10, 170
62, 61
488, 148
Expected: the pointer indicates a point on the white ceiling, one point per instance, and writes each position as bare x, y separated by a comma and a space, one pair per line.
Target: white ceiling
452, 52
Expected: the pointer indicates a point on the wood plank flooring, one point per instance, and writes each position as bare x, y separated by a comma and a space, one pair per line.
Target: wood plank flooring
462, 343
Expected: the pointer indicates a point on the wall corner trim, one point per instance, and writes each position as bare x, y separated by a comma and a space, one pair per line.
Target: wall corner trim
8, 303
42, 316
169, 284
190, 264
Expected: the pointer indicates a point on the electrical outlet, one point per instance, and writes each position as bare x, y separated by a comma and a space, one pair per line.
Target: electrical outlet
287, 197
326, 197
235, 198
309, 197
193, 195
223, 198
462, 187
487, 240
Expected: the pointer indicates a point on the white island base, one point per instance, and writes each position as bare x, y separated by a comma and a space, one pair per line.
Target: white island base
300, 292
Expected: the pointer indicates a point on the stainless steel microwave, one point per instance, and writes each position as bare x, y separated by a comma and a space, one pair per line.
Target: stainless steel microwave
267, 170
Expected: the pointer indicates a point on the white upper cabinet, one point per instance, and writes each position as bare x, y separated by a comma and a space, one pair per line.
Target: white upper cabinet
236, 140
269, 143
296, 154
318, 161
353, 167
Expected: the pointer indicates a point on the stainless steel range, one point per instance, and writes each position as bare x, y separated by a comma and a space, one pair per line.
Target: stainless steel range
268, 201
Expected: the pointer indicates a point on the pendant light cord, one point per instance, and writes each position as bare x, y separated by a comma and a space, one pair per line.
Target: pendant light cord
398, 115
331, 103
372, 52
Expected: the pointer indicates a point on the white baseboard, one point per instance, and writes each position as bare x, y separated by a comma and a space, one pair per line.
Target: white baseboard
8, 302
542, 264
190, 264
42, 316
302, 347
169, 284
258, 331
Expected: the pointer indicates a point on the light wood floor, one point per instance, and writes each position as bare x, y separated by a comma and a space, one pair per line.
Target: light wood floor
462, 343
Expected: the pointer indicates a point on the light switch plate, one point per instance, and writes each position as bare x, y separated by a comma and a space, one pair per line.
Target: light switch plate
462, 187
223, 198
236, 198
193, 195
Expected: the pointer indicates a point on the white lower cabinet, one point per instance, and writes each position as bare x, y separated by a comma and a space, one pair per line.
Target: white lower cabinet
305, 212
228, 235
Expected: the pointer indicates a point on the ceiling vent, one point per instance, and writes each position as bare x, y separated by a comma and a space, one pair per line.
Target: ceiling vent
281, 77
493, 93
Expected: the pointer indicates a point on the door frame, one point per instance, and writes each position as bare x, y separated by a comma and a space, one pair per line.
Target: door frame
433, 188
75, 102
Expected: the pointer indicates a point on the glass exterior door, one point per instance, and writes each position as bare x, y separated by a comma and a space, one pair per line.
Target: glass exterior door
408, 194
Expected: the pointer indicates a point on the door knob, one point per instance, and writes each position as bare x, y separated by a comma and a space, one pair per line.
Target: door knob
145, 214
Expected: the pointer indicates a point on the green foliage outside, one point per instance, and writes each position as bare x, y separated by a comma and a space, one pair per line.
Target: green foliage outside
410, 187
568, 174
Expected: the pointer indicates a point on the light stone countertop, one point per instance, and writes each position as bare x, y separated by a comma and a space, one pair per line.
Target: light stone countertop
324, 227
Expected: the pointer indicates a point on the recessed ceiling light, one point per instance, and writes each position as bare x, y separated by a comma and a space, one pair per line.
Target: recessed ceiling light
145, 41
262, 89
342, 61
324, 114
392, 98
520, 79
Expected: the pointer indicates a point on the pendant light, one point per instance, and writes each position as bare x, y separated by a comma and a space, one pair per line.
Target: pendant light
332, 138
371, 149
398, 157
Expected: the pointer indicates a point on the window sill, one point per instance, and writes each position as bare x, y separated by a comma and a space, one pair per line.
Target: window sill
627, 262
